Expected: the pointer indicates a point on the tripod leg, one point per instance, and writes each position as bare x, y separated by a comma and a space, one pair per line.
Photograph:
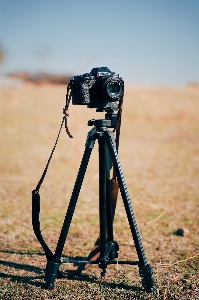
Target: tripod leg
102, 198
144, 268
110, 209
52, 267
111, 196
105, 209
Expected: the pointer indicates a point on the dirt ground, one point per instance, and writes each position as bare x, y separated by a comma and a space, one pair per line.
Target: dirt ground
159, 155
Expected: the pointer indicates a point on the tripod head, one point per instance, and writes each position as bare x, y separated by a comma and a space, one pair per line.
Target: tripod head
110, 121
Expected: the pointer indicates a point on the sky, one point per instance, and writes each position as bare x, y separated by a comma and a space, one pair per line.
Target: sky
151, 42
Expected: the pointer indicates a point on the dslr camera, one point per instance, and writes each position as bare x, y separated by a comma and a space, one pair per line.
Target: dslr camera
99, 89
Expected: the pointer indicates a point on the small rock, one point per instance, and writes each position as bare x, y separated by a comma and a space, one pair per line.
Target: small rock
182, 232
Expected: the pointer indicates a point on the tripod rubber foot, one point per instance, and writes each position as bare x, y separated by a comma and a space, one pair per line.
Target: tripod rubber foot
147, 278
150, 290
103, 273
52, 270
49, 285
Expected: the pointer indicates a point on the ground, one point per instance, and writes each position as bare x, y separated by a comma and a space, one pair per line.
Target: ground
159, 154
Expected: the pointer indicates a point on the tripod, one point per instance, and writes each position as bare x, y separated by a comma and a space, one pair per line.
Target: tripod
108, 248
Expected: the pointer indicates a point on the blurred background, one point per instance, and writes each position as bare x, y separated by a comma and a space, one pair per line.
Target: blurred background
147, 42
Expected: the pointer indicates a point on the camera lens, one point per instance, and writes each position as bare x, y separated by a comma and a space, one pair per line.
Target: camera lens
114, 89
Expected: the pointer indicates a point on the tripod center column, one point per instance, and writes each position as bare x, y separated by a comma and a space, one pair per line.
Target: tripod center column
102, 194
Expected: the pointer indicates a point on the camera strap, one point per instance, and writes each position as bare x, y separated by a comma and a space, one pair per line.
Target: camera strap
35, 192
117, 131
36, 203
113, 183
66, 108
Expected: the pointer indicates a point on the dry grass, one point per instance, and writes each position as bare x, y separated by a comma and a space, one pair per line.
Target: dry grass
159, 153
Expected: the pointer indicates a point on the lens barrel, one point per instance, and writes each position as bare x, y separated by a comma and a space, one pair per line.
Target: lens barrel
113, 88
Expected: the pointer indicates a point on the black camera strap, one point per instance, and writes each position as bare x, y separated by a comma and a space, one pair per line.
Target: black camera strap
36, 203
66, 108
117, 130
35, 192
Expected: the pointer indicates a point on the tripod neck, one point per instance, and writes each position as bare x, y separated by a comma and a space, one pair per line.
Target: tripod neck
110, 121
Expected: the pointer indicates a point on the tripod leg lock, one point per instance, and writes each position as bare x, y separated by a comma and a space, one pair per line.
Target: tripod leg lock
91, 137
52, 270
147, 278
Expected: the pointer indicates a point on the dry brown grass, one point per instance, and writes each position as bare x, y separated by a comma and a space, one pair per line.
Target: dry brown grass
159, 153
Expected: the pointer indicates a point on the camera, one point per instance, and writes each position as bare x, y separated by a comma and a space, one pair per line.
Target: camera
99, 89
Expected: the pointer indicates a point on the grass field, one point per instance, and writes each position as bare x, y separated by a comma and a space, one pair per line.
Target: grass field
159, 154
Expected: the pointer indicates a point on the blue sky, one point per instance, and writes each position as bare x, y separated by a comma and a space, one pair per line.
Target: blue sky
146, 42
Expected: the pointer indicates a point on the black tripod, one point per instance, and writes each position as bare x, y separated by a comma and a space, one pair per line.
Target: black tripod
108, 248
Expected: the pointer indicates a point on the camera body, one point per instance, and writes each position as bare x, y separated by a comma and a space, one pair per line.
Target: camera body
100, 89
